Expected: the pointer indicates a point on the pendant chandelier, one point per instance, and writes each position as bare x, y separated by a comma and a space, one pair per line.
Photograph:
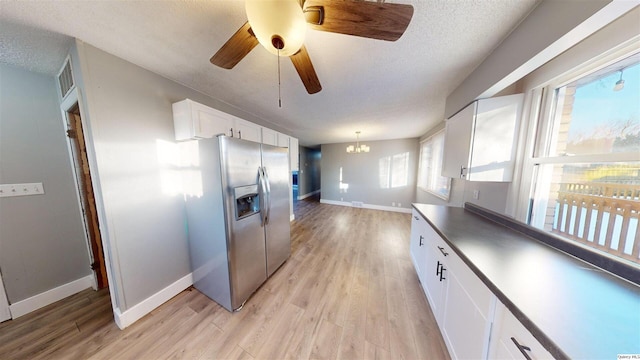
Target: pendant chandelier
358, 148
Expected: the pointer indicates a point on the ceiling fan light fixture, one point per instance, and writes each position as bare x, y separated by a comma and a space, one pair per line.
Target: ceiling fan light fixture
277, 23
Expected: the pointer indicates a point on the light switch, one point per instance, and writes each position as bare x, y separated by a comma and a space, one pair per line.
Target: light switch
7, 190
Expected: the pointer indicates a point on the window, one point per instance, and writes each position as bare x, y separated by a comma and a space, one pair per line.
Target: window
430, 168
587, 161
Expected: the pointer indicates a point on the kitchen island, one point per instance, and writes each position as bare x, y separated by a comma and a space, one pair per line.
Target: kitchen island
572, 308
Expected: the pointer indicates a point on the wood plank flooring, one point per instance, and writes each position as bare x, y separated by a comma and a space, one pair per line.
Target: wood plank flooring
349, 291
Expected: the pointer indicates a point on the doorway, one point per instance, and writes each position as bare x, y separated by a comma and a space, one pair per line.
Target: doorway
82, 172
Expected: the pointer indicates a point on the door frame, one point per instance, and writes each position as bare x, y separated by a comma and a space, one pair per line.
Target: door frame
5, 311
67, 105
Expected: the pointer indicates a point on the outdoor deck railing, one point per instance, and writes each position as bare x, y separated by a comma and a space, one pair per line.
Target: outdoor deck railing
602, 216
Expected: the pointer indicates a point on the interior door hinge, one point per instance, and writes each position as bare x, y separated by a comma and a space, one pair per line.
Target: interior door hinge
71, 133
94, 265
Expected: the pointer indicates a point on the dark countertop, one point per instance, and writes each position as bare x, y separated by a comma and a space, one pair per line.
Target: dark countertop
572, 308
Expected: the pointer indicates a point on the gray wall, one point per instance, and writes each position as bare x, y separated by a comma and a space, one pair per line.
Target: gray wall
42, 241
309, 174
362, 173
128, 114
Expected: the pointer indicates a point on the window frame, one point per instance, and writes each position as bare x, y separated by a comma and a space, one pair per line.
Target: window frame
424, 176
539, 137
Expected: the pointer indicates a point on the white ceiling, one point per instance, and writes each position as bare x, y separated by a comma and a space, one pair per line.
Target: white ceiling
387, 90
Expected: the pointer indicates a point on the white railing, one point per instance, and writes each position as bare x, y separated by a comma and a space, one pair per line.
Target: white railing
602, 216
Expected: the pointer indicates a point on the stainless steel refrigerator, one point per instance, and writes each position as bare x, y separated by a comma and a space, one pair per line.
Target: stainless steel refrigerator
239, 231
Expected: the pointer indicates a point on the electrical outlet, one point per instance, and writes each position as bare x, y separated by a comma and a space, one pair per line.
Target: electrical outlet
399, 205
476, 194
393, 204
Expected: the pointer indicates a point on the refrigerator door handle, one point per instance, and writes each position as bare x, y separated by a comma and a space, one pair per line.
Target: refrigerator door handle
263, 194
266, 178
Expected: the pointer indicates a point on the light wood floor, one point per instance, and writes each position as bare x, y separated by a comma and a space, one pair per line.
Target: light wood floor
349, 291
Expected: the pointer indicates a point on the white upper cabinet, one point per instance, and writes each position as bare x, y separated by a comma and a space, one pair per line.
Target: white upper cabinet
196, 121
283, 140
269, 137
274, 138
480, 140
247, 130
192, 120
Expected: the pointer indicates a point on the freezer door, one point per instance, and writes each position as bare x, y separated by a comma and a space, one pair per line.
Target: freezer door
240, 165
275, 162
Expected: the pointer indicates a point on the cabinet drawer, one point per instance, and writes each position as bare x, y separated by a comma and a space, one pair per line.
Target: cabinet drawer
512, 340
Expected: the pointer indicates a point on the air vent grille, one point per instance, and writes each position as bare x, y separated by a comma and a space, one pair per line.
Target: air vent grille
65, 79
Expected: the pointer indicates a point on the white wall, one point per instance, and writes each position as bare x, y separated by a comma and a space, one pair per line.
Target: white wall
361, 172
42, 240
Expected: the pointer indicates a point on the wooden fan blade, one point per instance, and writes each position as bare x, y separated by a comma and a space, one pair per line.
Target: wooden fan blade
303, 65
381, 21
236, 48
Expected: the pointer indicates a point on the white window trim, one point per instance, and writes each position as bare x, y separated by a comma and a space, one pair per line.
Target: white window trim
431, 192
538, 104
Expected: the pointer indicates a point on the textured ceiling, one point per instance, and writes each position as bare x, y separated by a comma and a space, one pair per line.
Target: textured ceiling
387, 90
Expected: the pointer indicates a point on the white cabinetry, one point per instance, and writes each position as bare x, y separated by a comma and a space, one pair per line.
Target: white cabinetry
473, 323
247, 130
480, 140
269, 137
192, 120
461, 303
418, 248
274, 138
468, 314
511, 340
293, 154
283, 140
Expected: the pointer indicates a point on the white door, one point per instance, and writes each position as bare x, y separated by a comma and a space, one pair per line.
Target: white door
5, 314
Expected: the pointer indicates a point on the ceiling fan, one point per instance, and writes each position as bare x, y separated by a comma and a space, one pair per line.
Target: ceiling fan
280, 25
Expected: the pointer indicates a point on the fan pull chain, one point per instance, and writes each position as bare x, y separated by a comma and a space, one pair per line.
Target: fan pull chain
279, 95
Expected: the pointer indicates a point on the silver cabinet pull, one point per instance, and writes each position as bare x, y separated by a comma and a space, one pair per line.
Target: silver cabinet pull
421, 238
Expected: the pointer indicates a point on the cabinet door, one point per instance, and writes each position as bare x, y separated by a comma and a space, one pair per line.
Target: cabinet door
435, 272
247, 130
417, 244
293, 154
283, 140
457, 143
507, 329
466, 327
269, 137
494, 138
196, 121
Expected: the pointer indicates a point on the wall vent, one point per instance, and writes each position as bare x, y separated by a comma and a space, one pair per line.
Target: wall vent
65, 79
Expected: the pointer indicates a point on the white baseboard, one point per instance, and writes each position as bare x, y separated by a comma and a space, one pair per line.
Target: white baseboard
135, 313
367, 206
292, 217
36, 302
302, 197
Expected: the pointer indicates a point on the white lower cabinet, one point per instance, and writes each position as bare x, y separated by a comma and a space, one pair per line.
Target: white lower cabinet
473, 323
511, 340
467, 326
